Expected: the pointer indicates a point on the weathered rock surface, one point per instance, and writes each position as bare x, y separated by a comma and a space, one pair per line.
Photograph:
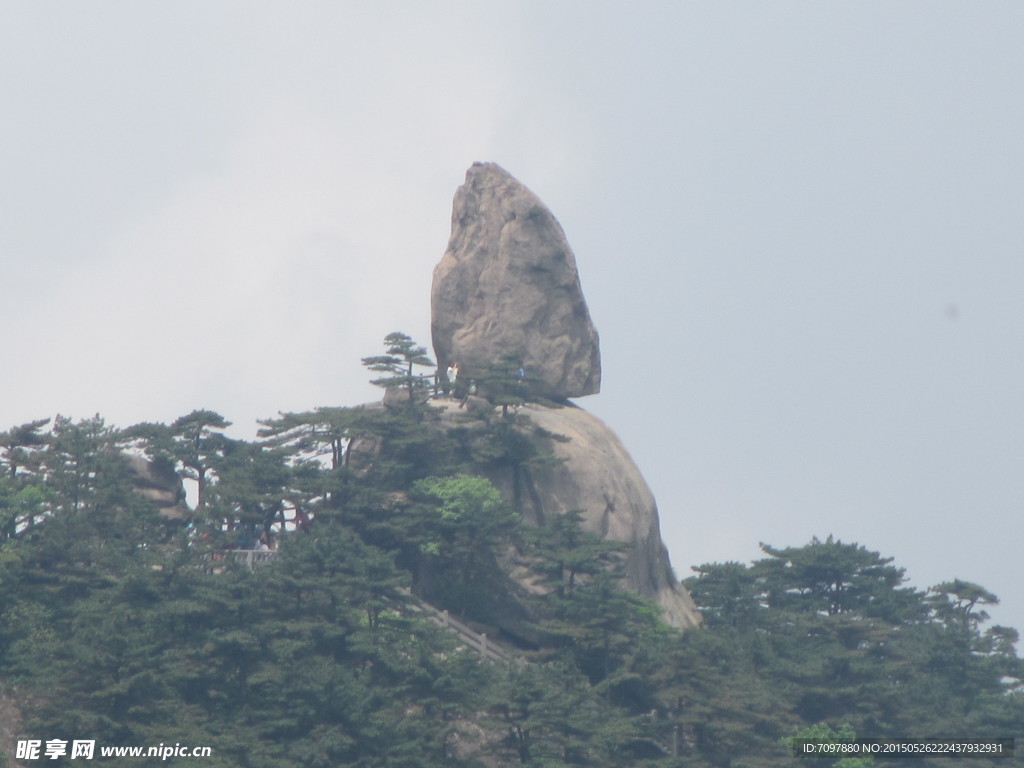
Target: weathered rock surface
160, 484
597, 477
508, 285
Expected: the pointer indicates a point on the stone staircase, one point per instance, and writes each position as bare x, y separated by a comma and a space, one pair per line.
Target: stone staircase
478, 642
467, 636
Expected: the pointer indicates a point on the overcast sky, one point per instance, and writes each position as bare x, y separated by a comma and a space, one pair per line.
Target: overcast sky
798, 227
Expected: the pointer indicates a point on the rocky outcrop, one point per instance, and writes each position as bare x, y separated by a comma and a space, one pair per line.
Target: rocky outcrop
507, 286
159, 483
595, 475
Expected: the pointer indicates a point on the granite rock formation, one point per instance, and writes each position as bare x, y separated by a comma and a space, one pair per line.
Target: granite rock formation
595, 475
507, 286
159, 483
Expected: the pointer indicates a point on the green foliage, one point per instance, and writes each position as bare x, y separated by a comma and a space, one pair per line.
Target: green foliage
824, 734
310, 661
194, 444
249, 495
19, 445
588, 620
566, 556
730, 595
22, 505
401, 357
508, 383
503, 382
830, 577
549, 716
465, 525
829, 631
954, 602
313, 436
119, 625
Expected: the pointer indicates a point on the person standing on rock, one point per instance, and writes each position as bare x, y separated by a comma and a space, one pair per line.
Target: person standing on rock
449, 378
461, 387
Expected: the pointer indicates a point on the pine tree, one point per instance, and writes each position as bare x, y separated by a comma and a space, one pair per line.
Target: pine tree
401, 356
465, 525
20, 444
832, 577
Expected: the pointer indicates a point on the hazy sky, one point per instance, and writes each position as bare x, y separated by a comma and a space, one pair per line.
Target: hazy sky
798, 227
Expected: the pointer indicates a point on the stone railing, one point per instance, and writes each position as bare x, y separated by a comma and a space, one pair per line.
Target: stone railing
469, 637
251, 557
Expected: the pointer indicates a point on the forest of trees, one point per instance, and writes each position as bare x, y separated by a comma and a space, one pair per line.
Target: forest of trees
129, 627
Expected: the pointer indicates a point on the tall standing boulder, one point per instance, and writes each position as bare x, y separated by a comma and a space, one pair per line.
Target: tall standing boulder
507, 286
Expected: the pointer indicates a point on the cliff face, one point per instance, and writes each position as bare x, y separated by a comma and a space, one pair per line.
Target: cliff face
508, 285
595, 475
